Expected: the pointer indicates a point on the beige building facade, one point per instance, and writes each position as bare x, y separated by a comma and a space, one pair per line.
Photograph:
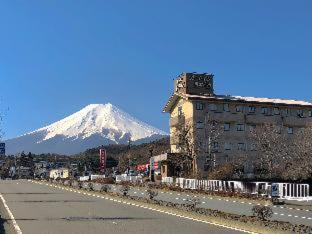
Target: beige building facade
194, 103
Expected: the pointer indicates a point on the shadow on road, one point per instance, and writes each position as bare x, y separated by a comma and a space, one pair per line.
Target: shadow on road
30, 193
55, 201
75, 219
95, 218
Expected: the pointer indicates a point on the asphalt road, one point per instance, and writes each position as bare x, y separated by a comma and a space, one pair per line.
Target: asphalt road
292, 214
40, 209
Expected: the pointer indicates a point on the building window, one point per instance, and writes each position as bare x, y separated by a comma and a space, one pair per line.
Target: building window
253, 147
264, 110
199, 106
227, 146
212, 107
227, 127
180, 112
276, 111
215, 146
199, 125
240, 127
300, 113
310, 113
239, 109
252, 109
163, 169
252, 128
290, 130
241, 146
287, 112
226, 107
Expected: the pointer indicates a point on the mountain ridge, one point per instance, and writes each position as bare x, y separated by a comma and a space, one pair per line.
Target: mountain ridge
94, 125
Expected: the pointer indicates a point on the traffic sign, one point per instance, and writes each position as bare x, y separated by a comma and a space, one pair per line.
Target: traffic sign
275, 190
2, 149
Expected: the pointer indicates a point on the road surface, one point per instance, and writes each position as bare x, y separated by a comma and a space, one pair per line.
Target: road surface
41, 209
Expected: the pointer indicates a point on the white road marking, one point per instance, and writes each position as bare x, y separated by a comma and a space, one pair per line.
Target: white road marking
16, 227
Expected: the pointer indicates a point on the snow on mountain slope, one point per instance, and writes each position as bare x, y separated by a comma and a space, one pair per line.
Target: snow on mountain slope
94, 125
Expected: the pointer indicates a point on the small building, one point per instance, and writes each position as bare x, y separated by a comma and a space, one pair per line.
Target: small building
24, 172
61, 173
165, 165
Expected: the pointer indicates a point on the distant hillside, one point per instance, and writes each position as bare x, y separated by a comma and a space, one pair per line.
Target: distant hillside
138, 154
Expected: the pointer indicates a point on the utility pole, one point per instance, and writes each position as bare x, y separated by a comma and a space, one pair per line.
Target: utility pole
129, 155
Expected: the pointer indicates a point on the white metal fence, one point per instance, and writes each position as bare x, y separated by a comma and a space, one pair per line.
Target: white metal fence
286, 190
124, 177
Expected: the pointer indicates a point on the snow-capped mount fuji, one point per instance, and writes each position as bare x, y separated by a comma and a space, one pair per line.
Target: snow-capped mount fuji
94, 125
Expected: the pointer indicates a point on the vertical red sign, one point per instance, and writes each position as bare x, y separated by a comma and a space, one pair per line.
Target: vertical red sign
103, 160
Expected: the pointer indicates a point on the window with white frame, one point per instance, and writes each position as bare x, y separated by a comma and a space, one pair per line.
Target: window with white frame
290, 130
199, 125
265, 110
227, 146
239, 108
300, 113
180, 111
240, 127
276, 111
199, 106
252, 109
241, 146
226, 107
212, 107
227, 127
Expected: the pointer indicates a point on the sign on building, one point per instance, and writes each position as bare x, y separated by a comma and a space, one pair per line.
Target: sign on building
103, 159
2, 149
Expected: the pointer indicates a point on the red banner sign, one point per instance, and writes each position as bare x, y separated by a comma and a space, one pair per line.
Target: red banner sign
103, 159
142, 167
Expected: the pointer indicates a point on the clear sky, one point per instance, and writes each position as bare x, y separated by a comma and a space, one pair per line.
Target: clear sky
58, 56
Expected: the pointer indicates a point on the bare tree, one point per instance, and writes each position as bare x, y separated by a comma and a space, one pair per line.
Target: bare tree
273, 149
298, 165
186, 145
189, 141
213, 131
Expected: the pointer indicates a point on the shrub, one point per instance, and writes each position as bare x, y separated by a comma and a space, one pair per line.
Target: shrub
108, 180
192, 203
105, 188
262, 212
125, 190
152, 194
90, 187
80, 185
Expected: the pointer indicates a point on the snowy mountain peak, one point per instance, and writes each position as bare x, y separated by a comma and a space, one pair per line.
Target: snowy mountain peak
95, 124
99, 119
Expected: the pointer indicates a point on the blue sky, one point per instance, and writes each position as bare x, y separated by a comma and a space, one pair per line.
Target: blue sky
58, 56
